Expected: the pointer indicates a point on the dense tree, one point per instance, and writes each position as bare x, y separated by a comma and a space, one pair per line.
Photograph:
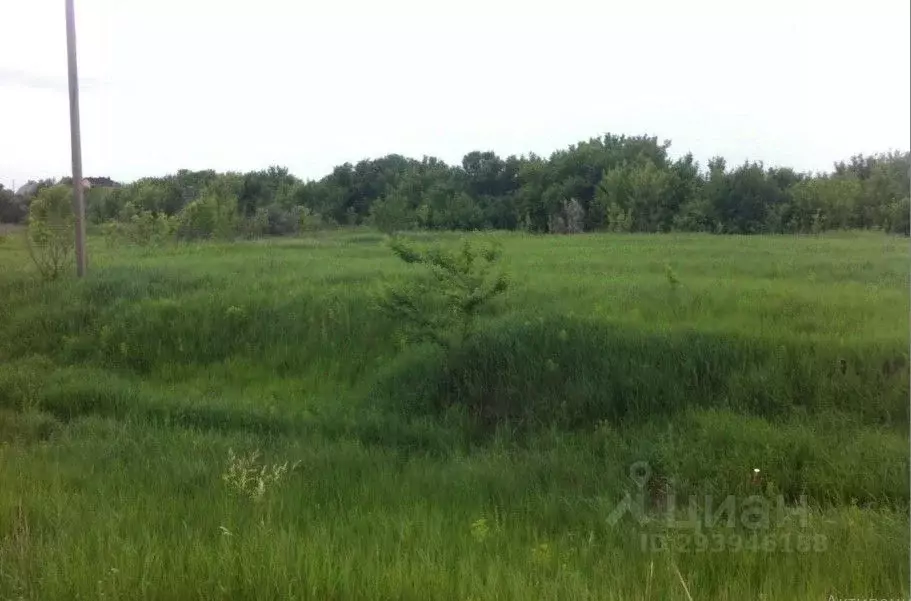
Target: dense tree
13, 209
611, 182
393, 213
638, 198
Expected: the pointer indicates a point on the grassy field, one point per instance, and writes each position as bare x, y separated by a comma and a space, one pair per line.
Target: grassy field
240, 421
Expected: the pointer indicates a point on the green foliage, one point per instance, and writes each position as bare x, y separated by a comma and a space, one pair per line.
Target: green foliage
310, 221
636, 198
278, 220
896, 216
102, 204
281, 220
13, 209
50, 235
446, 310
212, 216
392, 214
819, 204
22, 382
618, 219
614, 182
140, 227
257, 225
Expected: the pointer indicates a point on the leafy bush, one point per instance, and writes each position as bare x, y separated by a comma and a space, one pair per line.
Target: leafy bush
446, 311
212, 216
140, 227
310, 220
823, 203
13, 209
102, 204
636, 198
392, 214
278, 220
284, 221
50, 236
897, 217
257, 225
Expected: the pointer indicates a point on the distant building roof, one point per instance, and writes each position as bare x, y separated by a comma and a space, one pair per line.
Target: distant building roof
101, 182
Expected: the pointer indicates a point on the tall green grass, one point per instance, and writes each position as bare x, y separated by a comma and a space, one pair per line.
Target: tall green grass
575, 372
486, 472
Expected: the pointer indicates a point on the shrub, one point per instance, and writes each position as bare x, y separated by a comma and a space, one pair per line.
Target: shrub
897, 217
309, 220
392, 213
445, 312
101, 203
212, 216
278, 220
12, 208
50, 236
281, 221
140, 227
257, 225
618, 220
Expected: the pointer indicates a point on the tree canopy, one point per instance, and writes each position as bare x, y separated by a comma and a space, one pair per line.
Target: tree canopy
609, 183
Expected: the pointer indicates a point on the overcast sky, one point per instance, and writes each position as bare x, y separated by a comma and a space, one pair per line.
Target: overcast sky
239, 85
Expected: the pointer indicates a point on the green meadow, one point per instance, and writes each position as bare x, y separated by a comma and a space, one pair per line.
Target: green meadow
241, 421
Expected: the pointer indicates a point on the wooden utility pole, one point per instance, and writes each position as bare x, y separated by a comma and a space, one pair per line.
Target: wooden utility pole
75, 139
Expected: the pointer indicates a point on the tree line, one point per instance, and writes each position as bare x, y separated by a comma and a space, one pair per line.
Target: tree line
610, 183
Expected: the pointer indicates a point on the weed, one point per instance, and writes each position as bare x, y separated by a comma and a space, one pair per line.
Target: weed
246, 476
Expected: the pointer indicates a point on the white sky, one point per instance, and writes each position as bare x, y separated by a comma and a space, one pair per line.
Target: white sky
240, 84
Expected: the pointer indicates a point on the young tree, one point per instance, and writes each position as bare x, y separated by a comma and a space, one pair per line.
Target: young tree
214, 215
50, 235
446, 311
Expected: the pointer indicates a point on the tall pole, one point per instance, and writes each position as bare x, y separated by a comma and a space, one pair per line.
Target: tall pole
75, 139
